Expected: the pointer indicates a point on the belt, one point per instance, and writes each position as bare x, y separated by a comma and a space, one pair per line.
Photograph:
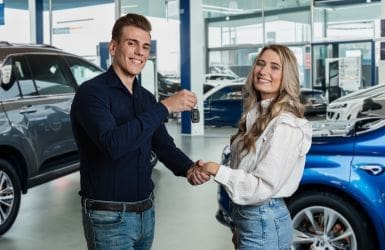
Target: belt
139, 206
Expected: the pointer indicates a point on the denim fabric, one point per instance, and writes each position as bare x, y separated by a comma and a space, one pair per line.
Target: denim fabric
110, 230
263, 227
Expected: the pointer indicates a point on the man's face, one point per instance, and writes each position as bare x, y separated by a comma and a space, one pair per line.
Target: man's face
131, 52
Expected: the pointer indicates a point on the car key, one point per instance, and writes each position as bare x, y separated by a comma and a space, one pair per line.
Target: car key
195, 115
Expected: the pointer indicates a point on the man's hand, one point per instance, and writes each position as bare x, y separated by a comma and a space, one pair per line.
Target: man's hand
195, 176
183, 100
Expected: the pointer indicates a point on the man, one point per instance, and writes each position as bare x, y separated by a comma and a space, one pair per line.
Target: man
116, 124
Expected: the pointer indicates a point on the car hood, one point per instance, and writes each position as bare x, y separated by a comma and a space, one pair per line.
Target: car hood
361, 94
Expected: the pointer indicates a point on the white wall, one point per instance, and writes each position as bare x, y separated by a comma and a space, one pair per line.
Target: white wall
16, 26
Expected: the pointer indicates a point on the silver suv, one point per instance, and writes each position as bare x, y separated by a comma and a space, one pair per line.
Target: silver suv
36, 144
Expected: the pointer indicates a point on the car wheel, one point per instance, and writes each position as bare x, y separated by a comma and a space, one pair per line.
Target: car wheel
326, 221
10, 194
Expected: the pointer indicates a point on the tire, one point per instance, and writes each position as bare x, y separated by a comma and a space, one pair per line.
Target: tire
10, 195
343, 218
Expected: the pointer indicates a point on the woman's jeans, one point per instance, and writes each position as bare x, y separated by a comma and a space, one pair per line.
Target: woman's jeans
263, 227
110, 230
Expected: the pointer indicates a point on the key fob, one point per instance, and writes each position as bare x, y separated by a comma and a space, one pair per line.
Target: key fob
195, 115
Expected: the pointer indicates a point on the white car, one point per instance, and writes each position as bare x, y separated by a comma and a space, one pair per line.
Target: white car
213, 79
362, 102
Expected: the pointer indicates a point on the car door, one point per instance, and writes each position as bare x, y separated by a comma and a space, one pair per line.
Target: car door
41, 111
224, 107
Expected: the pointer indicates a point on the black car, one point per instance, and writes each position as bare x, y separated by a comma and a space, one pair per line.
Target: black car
314, 101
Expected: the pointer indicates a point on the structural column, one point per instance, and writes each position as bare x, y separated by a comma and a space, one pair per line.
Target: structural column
192, 59
36, 20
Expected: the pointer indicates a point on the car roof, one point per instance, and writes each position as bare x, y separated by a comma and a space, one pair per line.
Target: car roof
220, 86
7, 49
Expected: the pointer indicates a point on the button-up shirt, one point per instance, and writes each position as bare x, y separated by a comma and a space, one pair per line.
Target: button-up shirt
115, 132
274, 169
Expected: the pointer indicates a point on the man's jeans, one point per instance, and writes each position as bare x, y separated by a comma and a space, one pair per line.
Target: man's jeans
263, 227
108, 230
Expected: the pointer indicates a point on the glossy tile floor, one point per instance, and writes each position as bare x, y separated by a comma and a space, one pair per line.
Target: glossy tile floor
49, 216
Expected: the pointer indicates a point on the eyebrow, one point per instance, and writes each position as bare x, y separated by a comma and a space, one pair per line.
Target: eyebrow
136, 41
274, 63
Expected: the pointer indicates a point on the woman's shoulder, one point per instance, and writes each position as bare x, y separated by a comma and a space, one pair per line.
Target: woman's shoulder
291, 119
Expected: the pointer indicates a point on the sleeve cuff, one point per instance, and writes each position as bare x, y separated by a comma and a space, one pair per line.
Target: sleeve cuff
223, 174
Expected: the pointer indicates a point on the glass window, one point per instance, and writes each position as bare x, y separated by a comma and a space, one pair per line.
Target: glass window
346, 22
81, 69
48, 73
235, 32
9, 88
23, 76
19, 79
288, 27
239, 61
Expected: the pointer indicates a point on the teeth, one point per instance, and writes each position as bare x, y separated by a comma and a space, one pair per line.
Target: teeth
263, 80
136, 61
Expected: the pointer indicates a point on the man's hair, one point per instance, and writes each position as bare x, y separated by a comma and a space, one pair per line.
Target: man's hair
130, 19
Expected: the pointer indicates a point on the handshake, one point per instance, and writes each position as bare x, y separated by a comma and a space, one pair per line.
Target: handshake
201, 172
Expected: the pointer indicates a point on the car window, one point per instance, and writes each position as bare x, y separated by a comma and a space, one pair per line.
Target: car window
20, 79
48, 73
312, 97
81, 69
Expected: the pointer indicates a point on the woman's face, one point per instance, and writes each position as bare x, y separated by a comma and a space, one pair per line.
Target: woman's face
268, 74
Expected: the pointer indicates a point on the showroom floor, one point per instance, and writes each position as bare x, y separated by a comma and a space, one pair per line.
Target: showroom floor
49, 216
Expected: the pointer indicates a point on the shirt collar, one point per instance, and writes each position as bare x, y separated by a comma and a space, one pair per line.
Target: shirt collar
115, 81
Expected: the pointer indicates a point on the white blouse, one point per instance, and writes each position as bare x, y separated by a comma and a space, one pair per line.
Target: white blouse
276, 166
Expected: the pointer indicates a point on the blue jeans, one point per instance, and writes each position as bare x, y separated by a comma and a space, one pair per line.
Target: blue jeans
263, 227
110, 230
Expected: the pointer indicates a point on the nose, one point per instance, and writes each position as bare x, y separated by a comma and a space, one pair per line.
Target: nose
139, 50
263, 70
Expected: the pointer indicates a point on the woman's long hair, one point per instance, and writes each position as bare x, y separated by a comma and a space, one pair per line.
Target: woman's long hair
288, 99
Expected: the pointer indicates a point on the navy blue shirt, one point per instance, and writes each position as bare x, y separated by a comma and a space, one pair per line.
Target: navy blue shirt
115, 132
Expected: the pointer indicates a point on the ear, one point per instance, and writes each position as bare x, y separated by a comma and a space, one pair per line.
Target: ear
112, 47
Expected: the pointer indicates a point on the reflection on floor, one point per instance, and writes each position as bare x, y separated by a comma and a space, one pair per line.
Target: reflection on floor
49, 216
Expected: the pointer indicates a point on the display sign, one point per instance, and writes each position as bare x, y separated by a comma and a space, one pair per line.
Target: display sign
350, 73
1, 12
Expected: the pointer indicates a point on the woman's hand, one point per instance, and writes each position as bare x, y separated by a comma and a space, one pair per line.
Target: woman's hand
210, 168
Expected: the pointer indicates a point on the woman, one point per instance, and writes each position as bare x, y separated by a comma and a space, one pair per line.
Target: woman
267, 153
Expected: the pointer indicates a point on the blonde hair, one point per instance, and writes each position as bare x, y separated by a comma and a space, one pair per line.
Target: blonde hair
288, 99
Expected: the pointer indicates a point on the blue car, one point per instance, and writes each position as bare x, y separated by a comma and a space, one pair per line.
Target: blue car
340, 203
223, 103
